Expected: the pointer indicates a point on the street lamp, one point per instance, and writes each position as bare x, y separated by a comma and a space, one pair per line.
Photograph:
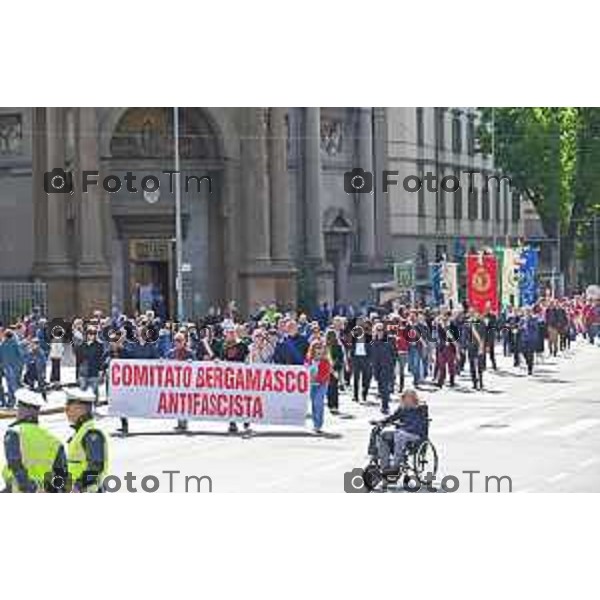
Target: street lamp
178, 227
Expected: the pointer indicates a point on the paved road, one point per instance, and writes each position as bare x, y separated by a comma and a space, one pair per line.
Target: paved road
541, 431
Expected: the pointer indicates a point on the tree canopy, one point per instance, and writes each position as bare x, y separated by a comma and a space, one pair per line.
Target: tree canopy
552, 155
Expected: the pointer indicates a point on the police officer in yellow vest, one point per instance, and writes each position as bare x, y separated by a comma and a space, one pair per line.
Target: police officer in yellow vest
35, 458
87, 450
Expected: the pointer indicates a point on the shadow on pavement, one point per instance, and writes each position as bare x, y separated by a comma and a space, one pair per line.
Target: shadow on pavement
133, 434
296, 434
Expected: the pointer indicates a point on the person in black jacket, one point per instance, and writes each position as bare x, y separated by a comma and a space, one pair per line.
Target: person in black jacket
383, 360
490, 320
91, 361
473, 339
360, 359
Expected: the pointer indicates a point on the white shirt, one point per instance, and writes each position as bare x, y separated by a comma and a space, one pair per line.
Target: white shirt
359, 349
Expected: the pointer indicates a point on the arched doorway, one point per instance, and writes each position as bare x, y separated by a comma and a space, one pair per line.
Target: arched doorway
143, 221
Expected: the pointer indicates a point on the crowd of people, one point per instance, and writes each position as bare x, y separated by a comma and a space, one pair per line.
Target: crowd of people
343, 348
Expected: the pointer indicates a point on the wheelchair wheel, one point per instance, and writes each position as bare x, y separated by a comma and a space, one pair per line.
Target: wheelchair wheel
371, 476
425, 460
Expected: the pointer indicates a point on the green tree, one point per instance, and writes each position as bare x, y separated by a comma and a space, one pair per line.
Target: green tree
551, 155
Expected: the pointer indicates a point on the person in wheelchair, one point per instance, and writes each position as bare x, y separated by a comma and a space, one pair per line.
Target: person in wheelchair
411, 426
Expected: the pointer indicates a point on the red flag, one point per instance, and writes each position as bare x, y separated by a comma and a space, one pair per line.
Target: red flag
482, 282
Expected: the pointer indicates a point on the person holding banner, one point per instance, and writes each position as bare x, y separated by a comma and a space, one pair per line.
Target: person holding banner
137, 348
234, 350
180, 351
320, 373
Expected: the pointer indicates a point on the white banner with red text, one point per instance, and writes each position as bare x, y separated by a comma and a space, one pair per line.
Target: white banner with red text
217, 391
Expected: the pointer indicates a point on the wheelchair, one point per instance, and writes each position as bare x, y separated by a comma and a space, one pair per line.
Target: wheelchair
420, 458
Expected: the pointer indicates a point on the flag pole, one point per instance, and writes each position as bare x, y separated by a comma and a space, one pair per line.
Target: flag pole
178, 226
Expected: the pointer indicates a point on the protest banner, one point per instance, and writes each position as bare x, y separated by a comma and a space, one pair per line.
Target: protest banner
217, 391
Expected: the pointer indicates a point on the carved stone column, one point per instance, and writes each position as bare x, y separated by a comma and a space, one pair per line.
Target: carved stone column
315, 246
58, 258
366, 202
318, 276
57, 267
256, 272
93, 271
279, 185
382, 203
283, 270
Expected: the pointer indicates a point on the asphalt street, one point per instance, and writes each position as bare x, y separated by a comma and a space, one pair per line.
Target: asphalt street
541, 431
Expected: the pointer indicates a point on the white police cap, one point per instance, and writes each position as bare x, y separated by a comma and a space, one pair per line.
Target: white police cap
29, 397
79, 395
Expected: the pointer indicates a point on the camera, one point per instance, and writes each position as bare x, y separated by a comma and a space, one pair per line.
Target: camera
59, 331
58, 483
354, 481
358, 181
58, 181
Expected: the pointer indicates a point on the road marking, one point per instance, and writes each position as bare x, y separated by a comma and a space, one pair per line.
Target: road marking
557, 478
573, 428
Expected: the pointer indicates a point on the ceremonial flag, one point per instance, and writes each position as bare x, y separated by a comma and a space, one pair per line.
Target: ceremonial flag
511, 267
482, 282
500, 256
450, 284
528, 277
435, 270
404, 275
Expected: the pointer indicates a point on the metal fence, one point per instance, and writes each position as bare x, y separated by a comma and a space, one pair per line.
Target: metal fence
19, 298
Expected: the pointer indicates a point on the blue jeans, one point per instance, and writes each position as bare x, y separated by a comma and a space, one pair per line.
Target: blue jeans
317, 399
85, 382
11, 373
415, 364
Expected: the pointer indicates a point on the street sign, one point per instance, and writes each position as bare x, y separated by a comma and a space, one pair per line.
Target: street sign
404, 275
186, 268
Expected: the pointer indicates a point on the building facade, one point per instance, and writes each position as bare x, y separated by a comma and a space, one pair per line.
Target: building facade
265, 213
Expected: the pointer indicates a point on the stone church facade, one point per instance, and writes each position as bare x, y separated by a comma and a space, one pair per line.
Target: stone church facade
274, 223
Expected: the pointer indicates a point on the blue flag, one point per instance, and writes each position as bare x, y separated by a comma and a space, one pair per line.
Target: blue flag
528, 277
436, 283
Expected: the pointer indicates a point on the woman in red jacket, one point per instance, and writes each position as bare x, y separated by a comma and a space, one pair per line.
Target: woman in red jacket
320, 372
